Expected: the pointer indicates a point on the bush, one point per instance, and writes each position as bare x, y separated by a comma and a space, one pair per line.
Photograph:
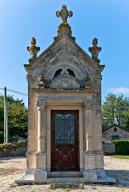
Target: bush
12, 149
12, 146
121, 147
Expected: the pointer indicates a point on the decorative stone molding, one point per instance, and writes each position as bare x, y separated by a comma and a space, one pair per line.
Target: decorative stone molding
65, 81
41, 83
32, 152
41, 105
90, 104
31, 78
87, 81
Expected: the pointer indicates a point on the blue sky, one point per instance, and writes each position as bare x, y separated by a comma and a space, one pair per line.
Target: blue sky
106, 20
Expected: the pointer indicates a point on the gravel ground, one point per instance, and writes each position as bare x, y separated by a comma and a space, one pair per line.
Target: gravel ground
13, 168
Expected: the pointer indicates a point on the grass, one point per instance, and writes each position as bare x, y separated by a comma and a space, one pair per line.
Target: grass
121, 156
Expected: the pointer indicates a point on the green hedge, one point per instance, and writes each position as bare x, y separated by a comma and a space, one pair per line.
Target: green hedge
12, 146
121, 147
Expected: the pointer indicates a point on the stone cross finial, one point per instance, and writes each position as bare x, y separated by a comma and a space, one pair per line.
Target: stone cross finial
33, 49
64, 14
95, 50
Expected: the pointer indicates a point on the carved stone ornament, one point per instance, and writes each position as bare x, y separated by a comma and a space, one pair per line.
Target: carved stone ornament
64, 14
95, 50
33, 49
64, 27
41, 104
41, 83
65, 81
90, 104
87, 81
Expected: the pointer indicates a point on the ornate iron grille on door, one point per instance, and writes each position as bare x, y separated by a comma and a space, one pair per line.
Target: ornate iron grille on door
65, 128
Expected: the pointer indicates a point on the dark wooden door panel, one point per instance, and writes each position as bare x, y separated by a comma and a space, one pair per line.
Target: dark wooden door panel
65, 143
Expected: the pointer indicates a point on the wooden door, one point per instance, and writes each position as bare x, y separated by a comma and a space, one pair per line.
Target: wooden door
64, 140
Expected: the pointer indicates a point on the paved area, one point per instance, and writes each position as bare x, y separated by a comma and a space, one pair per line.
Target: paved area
13, 168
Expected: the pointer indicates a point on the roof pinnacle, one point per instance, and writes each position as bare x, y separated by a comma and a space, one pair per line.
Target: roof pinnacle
33, 49
95, 50
64, 14
64, 27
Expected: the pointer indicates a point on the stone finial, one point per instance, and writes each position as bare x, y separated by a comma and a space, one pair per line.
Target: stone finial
95, 50
64, 27
33, 49
64, 14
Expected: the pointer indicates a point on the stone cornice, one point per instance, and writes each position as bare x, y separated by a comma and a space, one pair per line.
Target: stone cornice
66, 91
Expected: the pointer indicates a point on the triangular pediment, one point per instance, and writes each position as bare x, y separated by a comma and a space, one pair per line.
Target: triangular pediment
64, 56
64, 44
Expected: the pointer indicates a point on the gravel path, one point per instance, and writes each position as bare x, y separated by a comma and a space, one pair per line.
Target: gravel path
13, 168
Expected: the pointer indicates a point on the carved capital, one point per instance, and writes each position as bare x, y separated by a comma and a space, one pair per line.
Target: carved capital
90, 104
41, 83
30, 77
41, 105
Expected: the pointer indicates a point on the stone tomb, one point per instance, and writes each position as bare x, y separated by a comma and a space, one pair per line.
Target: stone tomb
64, 128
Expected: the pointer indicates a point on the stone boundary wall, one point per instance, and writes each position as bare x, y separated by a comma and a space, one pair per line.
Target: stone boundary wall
109, 148
13, 149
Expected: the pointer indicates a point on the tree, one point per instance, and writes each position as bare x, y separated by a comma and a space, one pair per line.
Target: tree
115, 111
17, 117
127, 118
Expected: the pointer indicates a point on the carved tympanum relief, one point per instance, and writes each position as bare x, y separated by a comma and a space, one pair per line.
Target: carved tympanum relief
64, 78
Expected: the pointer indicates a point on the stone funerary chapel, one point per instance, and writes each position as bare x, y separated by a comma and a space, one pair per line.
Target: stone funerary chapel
64, 126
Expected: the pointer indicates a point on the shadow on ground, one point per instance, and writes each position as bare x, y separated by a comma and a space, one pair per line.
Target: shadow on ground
121, 176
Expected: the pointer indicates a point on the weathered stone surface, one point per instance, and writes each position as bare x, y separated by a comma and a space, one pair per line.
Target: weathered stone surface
64, 77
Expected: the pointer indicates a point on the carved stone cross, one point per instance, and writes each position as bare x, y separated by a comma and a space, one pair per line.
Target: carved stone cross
64, 14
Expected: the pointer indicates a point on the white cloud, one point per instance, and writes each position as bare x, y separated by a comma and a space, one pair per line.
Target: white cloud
119, 90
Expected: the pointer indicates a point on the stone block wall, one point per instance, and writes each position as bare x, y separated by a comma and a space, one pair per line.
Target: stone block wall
109, 148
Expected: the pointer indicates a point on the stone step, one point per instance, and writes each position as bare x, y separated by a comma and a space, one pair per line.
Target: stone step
64, 174
66, 180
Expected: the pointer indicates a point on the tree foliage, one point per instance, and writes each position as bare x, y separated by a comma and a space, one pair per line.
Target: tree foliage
115, 111
17, 117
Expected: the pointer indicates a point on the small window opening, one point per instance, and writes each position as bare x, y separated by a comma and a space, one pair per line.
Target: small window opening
71, 72
115, 129
57, 73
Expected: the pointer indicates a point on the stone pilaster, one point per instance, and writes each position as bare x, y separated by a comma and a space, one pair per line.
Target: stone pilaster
89, 148
41, 149
41, 126
88, 126
89, 172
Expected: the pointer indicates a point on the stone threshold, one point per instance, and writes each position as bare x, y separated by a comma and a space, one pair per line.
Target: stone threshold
64, 174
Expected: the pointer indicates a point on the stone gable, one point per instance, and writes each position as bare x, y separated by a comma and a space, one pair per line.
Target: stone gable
115, 133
